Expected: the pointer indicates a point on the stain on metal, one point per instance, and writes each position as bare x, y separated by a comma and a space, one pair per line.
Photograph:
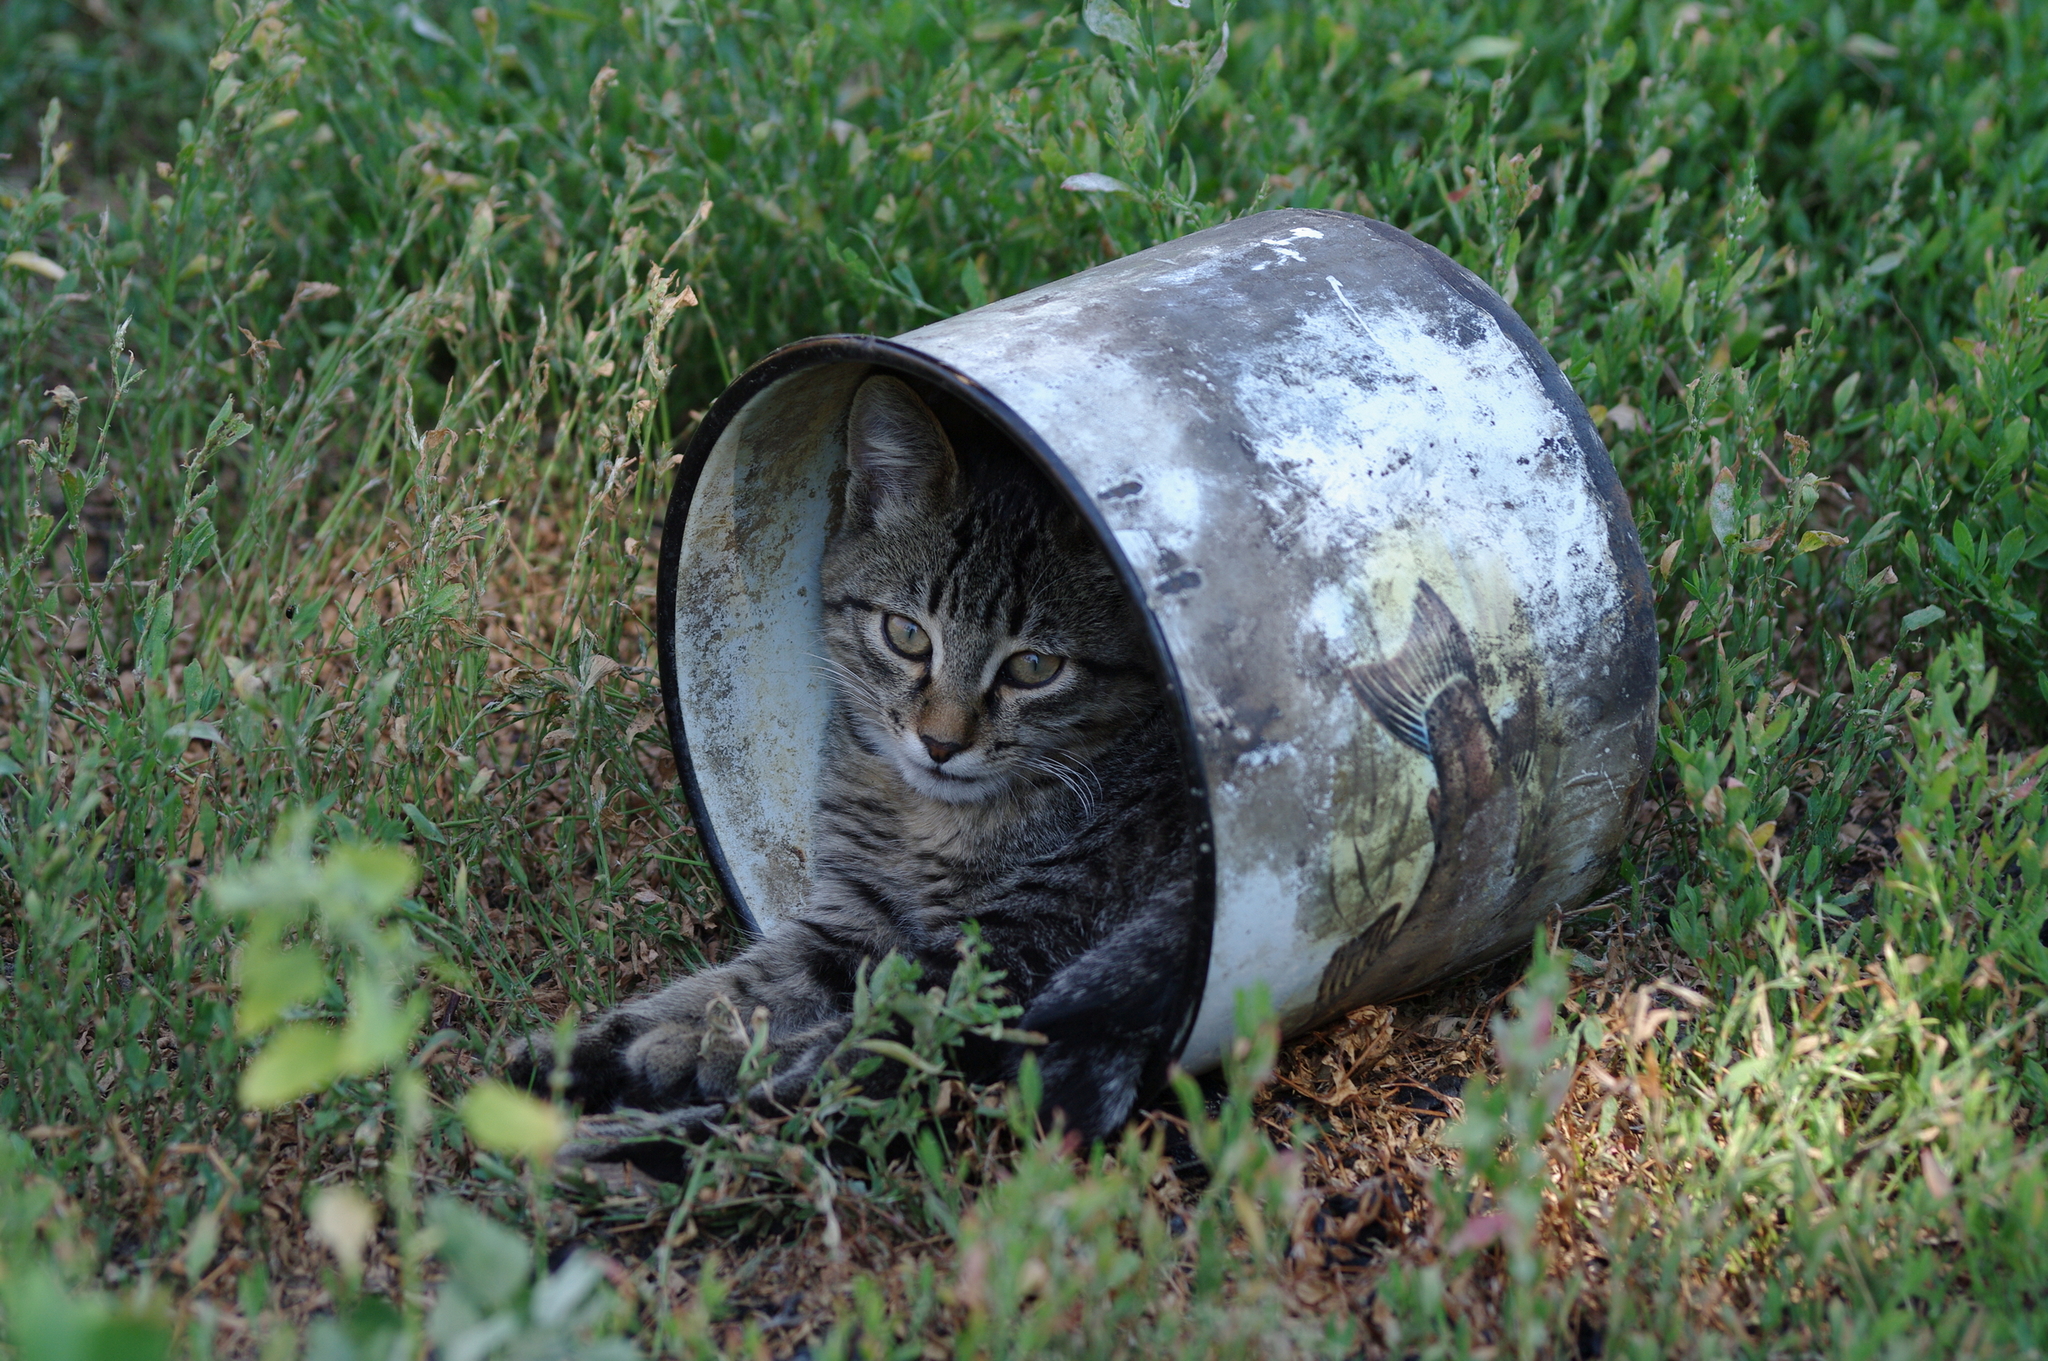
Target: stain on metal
1384, 559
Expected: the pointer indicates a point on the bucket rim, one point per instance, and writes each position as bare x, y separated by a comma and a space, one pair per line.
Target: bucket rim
893, 356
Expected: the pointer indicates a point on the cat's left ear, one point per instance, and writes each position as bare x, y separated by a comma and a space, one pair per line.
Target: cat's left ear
901, 462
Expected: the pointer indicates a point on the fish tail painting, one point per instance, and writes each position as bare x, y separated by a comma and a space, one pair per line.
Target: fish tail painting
1436, 657
1427, 695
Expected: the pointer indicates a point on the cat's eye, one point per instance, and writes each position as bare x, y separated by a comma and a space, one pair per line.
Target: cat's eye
907, 637
1032, 669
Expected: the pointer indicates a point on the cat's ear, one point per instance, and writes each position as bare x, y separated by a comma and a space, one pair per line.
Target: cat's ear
901, 463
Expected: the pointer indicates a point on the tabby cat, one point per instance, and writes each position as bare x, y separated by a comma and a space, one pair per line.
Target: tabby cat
999, 750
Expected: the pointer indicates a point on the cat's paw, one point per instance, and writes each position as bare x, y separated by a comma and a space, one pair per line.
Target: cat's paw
1103, 1019
684, 1062
597, 1075
1090, 1070
1091, 1087
629, 1061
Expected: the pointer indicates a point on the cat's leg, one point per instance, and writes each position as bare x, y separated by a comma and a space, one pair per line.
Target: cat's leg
1105, 1015
684, 1046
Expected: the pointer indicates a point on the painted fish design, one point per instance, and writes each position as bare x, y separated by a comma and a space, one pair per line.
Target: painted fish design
1427, 695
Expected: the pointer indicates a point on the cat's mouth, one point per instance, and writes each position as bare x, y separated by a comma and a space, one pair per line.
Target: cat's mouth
949, 786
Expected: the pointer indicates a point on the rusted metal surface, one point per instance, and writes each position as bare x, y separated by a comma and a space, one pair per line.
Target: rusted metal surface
1384, 555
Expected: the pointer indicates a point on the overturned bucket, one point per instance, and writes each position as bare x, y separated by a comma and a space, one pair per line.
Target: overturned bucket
1383, 558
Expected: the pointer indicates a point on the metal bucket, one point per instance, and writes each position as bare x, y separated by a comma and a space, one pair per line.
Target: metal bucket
1386, 566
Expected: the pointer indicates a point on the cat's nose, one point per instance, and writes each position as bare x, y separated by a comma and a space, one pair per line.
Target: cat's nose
941, 752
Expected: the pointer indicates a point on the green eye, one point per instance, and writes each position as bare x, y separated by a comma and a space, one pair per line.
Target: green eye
906, 637
1032, 669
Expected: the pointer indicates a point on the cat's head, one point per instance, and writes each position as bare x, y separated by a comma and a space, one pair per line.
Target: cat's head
979, 638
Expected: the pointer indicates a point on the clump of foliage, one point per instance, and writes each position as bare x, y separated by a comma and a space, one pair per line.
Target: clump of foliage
342, 353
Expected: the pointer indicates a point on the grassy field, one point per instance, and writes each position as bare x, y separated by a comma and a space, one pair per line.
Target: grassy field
343, 352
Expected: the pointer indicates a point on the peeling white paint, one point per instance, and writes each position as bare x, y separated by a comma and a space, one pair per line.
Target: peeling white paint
1329, 610
1283, 247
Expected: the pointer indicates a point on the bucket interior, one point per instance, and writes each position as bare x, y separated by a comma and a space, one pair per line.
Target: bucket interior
747, 691
750, 696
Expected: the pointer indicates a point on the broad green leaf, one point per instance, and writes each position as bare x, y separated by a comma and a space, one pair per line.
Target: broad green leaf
127, 1336
444, 601
201, 1244
1407, 86
300, 1059
228, 426
268, 885
344, 1220
368, 879
1741, 1073
1921, 618
29, 261
1219, 56
487, 1263
507, 1120
378, 1033
972, 286
1748, 268
423, 824
903, 1054
1485, 47
2011, 549
423, 26
1108, 19
195, 730
1721, 505
1869, 46
273, 982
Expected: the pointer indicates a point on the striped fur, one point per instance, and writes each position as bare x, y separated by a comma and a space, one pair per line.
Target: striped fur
1049, 812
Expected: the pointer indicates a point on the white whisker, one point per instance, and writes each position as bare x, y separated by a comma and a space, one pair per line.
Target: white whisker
1077, 775
850, 682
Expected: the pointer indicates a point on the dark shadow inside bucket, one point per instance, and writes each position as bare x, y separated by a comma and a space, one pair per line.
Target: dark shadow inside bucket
747, 688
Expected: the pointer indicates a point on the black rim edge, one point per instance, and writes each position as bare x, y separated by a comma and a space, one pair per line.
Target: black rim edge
889, 354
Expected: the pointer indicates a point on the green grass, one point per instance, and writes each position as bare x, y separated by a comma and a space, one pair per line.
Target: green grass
337, 450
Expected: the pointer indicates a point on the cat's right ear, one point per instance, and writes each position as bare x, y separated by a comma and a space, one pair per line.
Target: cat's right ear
901, 463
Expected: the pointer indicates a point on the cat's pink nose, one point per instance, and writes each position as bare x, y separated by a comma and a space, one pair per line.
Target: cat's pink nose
941, 752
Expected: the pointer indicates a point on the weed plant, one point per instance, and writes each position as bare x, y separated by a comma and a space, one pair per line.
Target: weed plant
344, 349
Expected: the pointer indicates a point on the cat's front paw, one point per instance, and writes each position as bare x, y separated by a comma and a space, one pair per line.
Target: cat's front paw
1102, 1042
627, 1061
599, 1071
1091, 1087
1103, 1019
